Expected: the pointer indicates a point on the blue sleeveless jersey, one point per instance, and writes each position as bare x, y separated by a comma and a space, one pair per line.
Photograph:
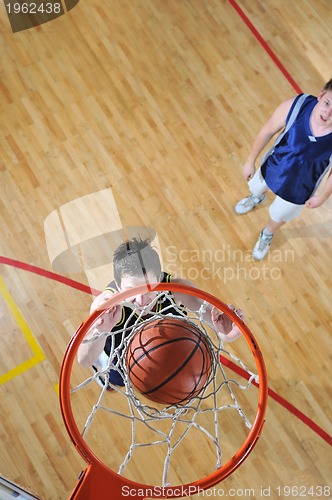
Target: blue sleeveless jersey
299, 161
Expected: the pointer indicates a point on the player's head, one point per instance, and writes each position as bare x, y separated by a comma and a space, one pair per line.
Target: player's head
136, 259
323, 109
327, 87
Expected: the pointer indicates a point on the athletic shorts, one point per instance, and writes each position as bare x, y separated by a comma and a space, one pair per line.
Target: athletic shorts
115, 375
280, 210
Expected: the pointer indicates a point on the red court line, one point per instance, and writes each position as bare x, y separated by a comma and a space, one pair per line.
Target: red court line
83, 288
265, 46
48, 274
283, 402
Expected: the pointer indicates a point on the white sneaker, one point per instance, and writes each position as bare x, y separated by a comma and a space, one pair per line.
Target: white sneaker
262, 246
101, 365
103, 361
248, 203
100, 379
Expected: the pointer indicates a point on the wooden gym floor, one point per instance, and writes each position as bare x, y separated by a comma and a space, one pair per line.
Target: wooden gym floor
158, 101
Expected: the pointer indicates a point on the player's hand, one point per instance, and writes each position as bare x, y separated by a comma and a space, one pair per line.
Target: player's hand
314, 202
109, 319
224, 325
248, 170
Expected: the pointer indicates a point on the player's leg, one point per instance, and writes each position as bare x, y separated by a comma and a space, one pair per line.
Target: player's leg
265, 238
258, 188
281, 211
102, 365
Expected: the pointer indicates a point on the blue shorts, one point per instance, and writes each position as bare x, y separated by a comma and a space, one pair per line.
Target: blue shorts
115, 378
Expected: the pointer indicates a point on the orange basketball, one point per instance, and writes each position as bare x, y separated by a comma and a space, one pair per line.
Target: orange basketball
169, 360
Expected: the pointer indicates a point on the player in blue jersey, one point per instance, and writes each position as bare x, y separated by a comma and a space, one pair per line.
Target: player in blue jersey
136, 263
294, 167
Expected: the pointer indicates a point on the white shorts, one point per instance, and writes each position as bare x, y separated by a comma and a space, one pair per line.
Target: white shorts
280, 210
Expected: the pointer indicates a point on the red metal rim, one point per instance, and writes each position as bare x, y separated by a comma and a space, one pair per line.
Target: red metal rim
147, 490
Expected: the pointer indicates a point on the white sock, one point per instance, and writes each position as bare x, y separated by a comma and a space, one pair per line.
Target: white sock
257, 198
267, 234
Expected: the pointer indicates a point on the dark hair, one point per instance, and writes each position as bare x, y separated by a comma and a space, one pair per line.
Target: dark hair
327, 86
135, 257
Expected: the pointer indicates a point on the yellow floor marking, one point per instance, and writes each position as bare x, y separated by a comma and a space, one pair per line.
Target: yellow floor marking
38, 354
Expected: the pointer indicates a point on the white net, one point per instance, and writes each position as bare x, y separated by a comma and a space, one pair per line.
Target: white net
207, 428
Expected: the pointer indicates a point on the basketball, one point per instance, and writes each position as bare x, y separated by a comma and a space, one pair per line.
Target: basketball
168, 360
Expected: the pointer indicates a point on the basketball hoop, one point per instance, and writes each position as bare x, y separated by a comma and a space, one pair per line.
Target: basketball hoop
222, 394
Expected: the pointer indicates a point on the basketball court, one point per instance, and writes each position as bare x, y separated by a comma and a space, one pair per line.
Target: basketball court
146, 110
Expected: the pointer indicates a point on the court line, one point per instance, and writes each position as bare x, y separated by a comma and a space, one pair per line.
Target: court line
48, 274
38, 354
283, 402
265, 46
83, 288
